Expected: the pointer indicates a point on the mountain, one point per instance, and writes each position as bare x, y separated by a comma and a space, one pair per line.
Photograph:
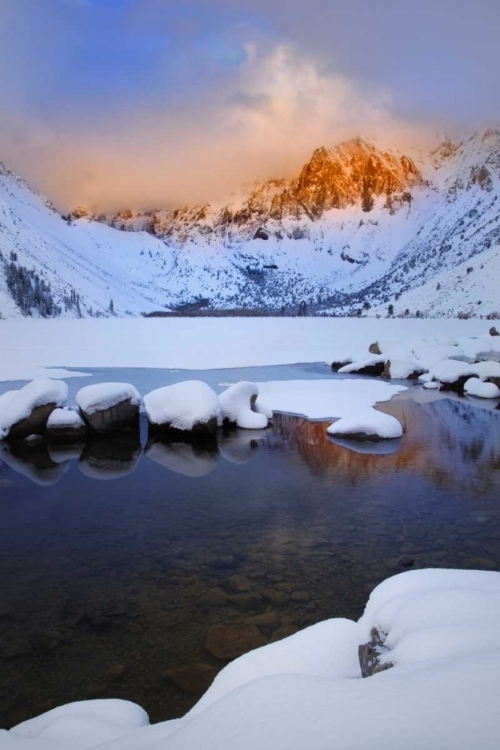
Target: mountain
358, 229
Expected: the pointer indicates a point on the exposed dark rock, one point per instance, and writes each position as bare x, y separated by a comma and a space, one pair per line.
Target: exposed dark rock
261, 234
374, 348
493, 331
337, 365
34, 424
124, 415
199, 430
370, 654
406, 561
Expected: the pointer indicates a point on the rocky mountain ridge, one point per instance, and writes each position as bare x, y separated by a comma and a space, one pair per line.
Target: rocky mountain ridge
359, 230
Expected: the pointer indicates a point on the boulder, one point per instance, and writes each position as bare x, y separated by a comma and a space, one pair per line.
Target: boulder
229, 641
66, 426
240, 407
374, 348
186, 409
493, 331
25, 412
109, 407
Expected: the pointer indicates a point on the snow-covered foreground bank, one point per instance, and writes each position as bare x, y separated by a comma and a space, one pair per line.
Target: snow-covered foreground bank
27, 346
440, 632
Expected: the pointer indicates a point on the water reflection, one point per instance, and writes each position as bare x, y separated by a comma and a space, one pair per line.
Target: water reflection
34, 461
110, 456
108, 586
191, 459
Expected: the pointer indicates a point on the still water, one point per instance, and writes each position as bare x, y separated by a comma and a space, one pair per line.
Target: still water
117, 557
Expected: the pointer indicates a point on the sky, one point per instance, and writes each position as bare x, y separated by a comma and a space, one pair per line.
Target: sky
151, 103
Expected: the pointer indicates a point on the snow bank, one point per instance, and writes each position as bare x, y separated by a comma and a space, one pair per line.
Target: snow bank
441, 631
183, 405
66, 419
81, 724
18, 405
236, 406
476, 387
101, 396
368, 423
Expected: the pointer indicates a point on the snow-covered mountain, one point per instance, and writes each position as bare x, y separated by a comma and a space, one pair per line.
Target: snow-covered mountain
358, 229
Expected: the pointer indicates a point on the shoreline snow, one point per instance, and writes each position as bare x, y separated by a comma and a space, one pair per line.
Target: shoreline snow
27, 346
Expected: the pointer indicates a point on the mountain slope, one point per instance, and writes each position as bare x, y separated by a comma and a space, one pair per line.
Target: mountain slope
357, 229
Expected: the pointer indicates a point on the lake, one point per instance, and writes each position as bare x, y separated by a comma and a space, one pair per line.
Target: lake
118, 557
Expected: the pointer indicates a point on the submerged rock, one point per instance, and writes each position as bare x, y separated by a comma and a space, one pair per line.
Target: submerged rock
229, 641
192, 678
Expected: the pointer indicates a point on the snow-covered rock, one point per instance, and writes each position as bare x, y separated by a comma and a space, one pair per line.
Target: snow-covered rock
65, 425
367, 424
476, 387
240, 406
108, 407
26, 411
190, 407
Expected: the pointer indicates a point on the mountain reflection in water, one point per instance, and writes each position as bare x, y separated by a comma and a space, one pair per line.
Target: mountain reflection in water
108, 585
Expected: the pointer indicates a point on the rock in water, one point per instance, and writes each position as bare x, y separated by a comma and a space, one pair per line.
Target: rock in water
65, 425
109, 407
193, 678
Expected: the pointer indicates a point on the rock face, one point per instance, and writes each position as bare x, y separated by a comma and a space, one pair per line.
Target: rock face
65, 426
229, 641
109, 407
119, 417
34, 424
370, 654
352, 172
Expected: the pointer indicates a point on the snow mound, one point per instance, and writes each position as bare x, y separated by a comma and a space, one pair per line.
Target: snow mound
440, 632
101, 396
66, 419
236, 406
18, 405
81, 724
183, 405
476, 387
367, 424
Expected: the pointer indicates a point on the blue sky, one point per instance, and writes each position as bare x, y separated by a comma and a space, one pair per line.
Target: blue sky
94, 82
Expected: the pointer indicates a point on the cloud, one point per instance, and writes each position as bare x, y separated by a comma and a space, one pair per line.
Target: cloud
147, 103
